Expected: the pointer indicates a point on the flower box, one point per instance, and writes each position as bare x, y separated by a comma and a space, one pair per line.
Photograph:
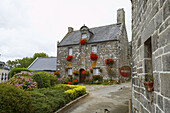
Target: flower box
148, 85
87, 73
76, 73
93, 56
83, 41
91, 70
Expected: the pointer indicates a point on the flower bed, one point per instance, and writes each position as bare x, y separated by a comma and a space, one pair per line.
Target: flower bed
93, 56
83, 41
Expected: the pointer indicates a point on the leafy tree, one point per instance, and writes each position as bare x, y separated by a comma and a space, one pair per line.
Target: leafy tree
24, 62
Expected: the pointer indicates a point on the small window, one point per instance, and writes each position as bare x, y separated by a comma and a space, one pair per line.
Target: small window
70, 51
94, 49
69, 71
96, 72
84, 36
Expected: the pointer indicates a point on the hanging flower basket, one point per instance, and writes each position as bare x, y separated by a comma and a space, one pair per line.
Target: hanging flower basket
93, 56
76, 72
69, 57
109, 61
86, 73
91, 70
148, 85
83, 41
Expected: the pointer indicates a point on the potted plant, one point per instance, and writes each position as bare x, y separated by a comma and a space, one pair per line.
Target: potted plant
83, 41
86, 73
93, 56
91, 70
109, 61
148, 83
69, 57
76, 72
57, 74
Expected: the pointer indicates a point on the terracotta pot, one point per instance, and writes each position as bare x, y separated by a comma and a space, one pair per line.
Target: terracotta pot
148, 85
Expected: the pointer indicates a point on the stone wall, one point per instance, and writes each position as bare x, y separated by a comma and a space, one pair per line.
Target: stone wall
151, 54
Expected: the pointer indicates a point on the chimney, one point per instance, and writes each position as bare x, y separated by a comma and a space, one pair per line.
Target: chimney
121, 16
70, 29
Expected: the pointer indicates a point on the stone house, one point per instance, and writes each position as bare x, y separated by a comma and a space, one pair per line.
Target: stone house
44, 64
3, 72
151, 55
108, 41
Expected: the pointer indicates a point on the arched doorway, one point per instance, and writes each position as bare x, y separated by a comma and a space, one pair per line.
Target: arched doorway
82, 77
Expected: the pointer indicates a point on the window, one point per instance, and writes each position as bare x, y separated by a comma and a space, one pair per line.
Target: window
69, 71
70, 51
94, 49
96, 72
84, 36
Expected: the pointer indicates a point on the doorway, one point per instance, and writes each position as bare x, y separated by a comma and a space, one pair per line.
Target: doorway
82, 77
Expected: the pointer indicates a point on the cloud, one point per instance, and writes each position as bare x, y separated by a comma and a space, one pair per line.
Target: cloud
29, 26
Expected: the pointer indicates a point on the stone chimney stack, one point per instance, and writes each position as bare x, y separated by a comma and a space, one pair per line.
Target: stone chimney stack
120, 16
70, 29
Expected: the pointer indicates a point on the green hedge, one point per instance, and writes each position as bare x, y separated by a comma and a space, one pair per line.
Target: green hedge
14, 100
18, 70
42, 79
47, 100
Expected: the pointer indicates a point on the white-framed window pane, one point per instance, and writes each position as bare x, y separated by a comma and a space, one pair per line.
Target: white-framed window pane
84, 36
69, 71
70, 51
96, 72
94, 49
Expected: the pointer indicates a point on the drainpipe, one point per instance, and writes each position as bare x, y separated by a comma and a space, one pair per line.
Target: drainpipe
131, 88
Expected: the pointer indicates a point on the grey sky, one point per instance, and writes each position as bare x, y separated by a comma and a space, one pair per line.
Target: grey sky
29, 26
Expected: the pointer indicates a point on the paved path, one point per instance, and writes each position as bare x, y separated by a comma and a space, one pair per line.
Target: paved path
114, 98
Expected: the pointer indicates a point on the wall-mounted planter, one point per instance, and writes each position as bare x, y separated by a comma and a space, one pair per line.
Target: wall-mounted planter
148, 85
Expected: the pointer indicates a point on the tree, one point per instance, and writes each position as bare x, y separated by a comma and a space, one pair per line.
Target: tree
24, 62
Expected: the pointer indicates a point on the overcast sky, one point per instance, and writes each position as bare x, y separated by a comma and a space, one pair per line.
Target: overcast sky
31, 26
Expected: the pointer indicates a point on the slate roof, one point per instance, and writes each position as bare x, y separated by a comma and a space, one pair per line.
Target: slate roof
103, 33
44, 64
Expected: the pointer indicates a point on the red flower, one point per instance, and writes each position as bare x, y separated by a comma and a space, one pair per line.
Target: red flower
91, 70
56, 73
83, 41
109, 61
69, 57
76, 72
93, 56
85, 72
69, 82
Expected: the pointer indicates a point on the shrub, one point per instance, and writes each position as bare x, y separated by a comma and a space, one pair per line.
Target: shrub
53, 80
65, 80
14, 100
97, 77
42, 79
18, 70
47, 100
25, 83
89, 81
76, 92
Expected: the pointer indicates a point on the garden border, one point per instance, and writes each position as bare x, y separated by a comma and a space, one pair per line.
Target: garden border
67, 106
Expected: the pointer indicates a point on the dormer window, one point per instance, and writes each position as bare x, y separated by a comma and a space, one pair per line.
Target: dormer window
84, 36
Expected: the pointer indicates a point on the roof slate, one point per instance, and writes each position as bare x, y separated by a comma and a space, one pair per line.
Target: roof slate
44, 64
103, 33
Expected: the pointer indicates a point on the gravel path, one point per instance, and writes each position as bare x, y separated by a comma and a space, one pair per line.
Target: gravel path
113, 98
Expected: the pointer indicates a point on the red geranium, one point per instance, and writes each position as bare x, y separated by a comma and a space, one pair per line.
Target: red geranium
76, 72
69, 57
93, 56
91, 70
83, 41
85, 72
75, 82
109, 61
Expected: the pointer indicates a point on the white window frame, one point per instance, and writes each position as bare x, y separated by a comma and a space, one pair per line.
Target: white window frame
84, 35
96, 71
70, 51
94, 49
70, 71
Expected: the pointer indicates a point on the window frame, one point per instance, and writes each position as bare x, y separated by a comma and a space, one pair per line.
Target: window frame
95, 72
92, 48
84, 34
70, 69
